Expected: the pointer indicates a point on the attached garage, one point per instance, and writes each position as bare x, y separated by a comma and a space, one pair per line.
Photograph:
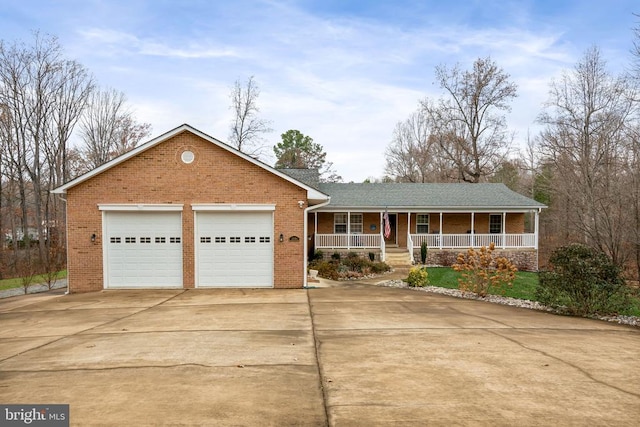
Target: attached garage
142, 249
234, 246
185, 210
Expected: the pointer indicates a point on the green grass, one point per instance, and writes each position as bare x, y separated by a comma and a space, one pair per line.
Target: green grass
17, 281
524, 287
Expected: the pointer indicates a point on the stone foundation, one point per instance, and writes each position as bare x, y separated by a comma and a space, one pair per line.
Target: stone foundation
524, 259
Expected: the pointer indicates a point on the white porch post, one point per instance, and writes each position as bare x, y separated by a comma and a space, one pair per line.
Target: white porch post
536, 227
441, 226
348, 230
504, 230
315, 225
409, 231
473, 238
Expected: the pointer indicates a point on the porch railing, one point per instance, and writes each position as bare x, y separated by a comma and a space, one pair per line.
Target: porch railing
456, 241
434, 241
347, 241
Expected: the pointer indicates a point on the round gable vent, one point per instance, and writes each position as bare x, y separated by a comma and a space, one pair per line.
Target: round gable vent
188, 156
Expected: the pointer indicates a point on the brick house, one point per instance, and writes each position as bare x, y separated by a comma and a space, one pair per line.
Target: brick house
185, 210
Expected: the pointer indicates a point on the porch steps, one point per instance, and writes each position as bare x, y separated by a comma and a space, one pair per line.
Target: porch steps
398, 258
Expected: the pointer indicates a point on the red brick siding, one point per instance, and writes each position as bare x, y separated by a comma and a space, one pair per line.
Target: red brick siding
159, 176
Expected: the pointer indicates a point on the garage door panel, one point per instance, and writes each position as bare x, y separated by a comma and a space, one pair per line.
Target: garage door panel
234, 249
143, 249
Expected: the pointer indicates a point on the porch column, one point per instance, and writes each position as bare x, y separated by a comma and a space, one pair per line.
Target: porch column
473, 238
315, 225
409, 240
348, 230
536, 227
441, 227
504, 230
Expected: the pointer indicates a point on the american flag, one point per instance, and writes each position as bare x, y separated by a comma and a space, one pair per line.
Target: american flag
387, 226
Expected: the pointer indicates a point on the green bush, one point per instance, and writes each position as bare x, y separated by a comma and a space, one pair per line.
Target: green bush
583, 281
336, 255
418, 277
372, 256
423, 253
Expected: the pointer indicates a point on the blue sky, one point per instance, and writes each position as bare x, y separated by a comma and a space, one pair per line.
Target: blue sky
342, 72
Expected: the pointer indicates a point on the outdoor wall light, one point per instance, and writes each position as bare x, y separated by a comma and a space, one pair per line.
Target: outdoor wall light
281, 237
300, 204
93, 238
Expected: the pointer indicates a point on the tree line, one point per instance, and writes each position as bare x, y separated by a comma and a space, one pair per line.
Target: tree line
44, 98
584, 163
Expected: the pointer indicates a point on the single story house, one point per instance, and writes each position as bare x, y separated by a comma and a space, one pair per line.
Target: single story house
185, 210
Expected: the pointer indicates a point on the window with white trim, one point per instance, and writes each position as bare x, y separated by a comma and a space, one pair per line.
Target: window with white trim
495, 224
422, 223
340, 223
356, 223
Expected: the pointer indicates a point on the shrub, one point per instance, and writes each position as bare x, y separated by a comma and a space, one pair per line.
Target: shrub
372, 256
418, 277
380, 267
317, 255
328, 270
423, 253
336, 255
583, 281
482, 270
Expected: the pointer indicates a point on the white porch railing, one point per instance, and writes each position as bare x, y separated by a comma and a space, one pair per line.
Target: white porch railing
347, 241
458, 241
434, 241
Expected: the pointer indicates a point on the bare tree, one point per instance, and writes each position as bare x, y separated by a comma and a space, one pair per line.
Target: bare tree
246, 127
468, 122
108, 128
42, 95
588, 117
414, 155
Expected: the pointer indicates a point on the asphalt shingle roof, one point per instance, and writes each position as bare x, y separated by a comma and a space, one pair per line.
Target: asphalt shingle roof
436, 196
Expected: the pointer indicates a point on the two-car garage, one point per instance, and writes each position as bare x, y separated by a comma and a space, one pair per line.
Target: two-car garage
143, 246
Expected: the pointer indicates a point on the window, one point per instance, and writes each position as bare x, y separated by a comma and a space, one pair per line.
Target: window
265, 239
205, 239
161, 239
356, 223
145, 240
174, 240
129, 239
221, 239
340, 223
422, 223
115, 240
234, 239
249, 239
495, 224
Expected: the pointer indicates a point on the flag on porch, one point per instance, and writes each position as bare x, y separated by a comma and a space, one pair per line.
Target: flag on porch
387, 226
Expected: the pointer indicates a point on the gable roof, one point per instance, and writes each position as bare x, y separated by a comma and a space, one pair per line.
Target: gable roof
313, 195
445, 196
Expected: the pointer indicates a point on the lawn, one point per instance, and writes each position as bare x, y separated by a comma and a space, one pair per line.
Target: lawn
524, 287
17, 282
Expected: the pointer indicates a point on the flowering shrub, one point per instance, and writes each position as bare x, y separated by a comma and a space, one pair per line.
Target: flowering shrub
482, 270
418, 277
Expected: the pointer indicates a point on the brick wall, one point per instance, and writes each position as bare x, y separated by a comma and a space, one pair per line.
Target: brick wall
159, 176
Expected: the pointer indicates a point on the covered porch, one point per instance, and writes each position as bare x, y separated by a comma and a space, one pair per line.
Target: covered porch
354, 230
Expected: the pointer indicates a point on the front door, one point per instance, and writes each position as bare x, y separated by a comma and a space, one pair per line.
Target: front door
391, 240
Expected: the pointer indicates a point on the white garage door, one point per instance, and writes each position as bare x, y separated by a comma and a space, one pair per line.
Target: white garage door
143, 249
234, 249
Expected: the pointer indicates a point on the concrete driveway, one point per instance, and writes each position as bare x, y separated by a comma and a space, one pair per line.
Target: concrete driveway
353, 355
